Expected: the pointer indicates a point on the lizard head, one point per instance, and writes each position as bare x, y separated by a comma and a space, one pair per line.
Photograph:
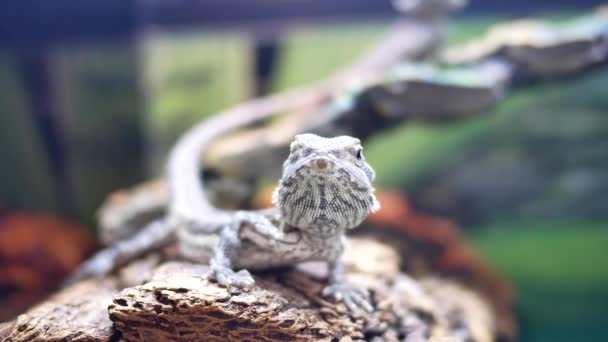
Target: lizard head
326, 184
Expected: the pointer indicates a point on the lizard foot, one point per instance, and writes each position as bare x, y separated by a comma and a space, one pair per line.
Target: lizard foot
354, 298
227, 277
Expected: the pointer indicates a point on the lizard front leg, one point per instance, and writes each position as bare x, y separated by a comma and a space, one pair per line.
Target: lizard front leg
353, 297
221, 262
194, 240
197, 240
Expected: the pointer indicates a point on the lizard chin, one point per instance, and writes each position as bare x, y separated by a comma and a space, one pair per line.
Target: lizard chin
325, 196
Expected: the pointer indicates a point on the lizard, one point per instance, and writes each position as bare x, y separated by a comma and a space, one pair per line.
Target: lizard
325, 189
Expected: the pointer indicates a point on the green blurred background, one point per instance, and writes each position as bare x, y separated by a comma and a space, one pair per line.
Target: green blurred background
528, 181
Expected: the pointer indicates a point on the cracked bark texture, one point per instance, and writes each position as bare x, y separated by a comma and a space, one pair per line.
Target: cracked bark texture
176, 304
77, 314
173, 303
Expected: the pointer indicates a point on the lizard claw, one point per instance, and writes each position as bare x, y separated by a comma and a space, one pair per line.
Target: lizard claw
227, 277
354, 298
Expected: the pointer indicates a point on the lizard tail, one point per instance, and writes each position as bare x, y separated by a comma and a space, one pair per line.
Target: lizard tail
154, 235
126, 211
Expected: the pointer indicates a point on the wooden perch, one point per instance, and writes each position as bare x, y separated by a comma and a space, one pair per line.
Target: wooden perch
176, 304
78, 313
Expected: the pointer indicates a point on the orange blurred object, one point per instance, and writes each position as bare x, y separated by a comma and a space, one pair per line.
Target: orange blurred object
37, 251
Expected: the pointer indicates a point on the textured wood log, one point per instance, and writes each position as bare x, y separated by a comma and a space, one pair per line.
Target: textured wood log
77, 314
174, 303
287, 305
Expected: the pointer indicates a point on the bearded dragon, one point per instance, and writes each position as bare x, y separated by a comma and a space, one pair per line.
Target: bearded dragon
325, 189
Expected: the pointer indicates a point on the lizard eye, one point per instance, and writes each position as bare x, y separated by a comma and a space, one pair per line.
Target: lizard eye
306, 152
359, 154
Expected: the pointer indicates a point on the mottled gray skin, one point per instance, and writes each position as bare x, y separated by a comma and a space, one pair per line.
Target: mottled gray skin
326, 185
326, 188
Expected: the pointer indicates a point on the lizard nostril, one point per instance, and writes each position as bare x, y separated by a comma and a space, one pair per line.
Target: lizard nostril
321, 163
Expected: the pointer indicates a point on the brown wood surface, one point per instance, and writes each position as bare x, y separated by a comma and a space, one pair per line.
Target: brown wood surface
174, 303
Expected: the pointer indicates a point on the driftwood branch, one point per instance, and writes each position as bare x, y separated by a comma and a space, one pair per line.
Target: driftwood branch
472, 79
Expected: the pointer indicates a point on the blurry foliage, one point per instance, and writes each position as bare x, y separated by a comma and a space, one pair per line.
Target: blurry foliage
25, 175
101, 120
421, 147
114, 134
560, 276
188, 76
312, 53
549, 255
461, 30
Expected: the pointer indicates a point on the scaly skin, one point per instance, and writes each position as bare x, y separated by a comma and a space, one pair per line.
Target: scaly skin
325, 190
